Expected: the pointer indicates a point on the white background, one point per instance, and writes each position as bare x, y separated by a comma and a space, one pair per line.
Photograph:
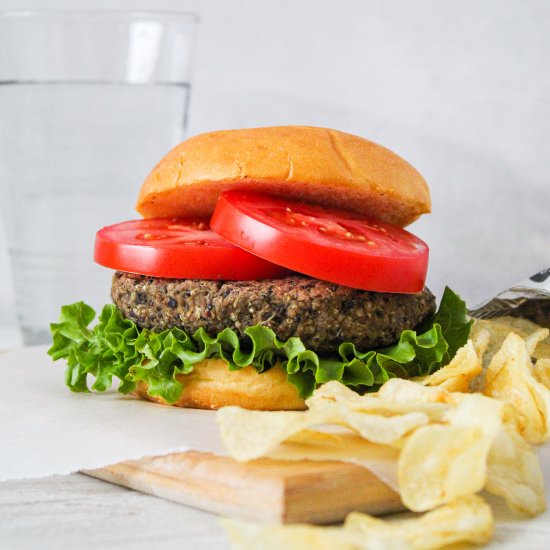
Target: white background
461, 89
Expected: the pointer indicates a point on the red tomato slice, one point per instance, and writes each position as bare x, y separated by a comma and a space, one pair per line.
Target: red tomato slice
177, 248
336, 246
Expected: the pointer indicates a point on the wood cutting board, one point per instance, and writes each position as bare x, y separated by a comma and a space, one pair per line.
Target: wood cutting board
263, 490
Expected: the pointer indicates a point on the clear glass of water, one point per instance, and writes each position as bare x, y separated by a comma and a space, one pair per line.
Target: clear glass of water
89, 102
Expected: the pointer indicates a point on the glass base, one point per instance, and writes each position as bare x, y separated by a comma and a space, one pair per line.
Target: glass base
10, 338
35, 337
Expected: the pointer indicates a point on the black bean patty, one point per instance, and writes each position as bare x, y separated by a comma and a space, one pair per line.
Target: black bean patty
322, 314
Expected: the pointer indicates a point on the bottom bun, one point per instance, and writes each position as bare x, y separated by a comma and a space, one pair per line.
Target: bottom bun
212, 385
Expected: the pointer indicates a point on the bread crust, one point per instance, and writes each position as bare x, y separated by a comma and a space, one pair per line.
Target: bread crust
212, 385
316, 165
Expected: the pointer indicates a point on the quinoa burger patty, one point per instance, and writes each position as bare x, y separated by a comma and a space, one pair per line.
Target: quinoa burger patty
321, 314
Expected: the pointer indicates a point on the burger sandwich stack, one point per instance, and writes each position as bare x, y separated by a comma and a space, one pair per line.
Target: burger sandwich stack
268, 262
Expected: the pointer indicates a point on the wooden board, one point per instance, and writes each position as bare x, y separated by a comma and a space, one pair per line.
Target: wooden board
263, 490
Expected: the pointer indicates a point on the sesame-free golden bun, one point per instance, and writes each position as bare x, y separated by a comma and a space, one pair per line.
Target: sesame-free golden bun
302, 163
211, 385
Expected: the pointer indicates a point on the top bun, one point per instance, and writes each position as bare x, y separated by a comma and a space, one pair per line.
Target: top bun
316, 165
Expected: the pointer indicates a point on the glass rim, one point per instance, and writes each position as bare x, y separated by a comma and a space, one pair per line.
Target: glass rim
76, 12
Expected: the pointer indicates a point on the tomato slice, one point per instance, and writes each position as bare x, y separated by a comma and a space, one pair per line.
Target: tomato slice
336, 246
177, 248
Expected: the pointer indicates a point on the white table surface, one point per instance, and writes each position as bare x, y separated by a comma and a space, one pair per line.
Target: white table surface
77, 511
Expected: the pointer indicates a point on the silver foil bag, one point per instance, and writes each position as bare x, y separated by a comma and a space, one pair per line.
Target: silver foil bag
529, 299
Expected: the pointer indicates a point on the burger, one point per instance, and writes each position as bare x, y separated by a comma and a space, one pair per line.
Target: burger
268, 262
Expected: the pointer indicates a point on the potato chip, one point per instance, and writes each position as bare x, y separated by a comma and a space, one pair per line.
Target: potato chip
336, 392
457, 375
541, 372
465, 520
480, 338
252, 434
251, 536
259, 432
468, 519
400, 397
533, 340
344, 446
386, 430
510, 378
499, 329
440, 463
453, 444
542, 351
514, 472
411, 393
477, 410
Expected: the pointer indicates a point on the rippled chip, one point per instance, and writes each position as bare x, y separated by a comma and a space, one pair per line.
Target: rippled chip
467, 520
457, 375
514, 472
411, 396
252, 536
397, 389
386, 430
396, 397
344, 446
442, 462
533, 340
499, 329
541, 372
436, 441
335, 392
248, 435
480, 338
510, 378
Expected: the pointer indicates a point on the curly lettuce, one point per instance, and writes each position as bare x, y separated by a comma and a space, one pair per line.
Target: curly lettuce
117, 348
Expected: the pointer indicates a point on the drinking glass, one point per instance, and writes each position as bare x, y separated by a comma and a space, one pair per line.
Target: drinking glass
89, 102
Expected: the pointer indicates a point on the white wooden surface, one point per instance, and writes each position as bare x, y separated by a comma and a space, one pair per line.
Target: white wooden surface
75, 511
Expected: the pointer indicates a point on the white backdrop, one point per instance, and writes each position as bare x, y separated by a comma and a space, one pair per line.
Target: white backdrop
459, 88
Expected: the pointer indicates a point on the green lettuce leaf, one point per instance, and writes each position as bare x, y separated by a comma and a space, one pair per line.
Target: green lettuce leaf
117, 348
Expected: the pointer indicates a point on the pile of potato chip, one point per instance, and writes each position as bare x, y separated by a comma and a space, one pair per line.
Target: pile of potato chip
466, 428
